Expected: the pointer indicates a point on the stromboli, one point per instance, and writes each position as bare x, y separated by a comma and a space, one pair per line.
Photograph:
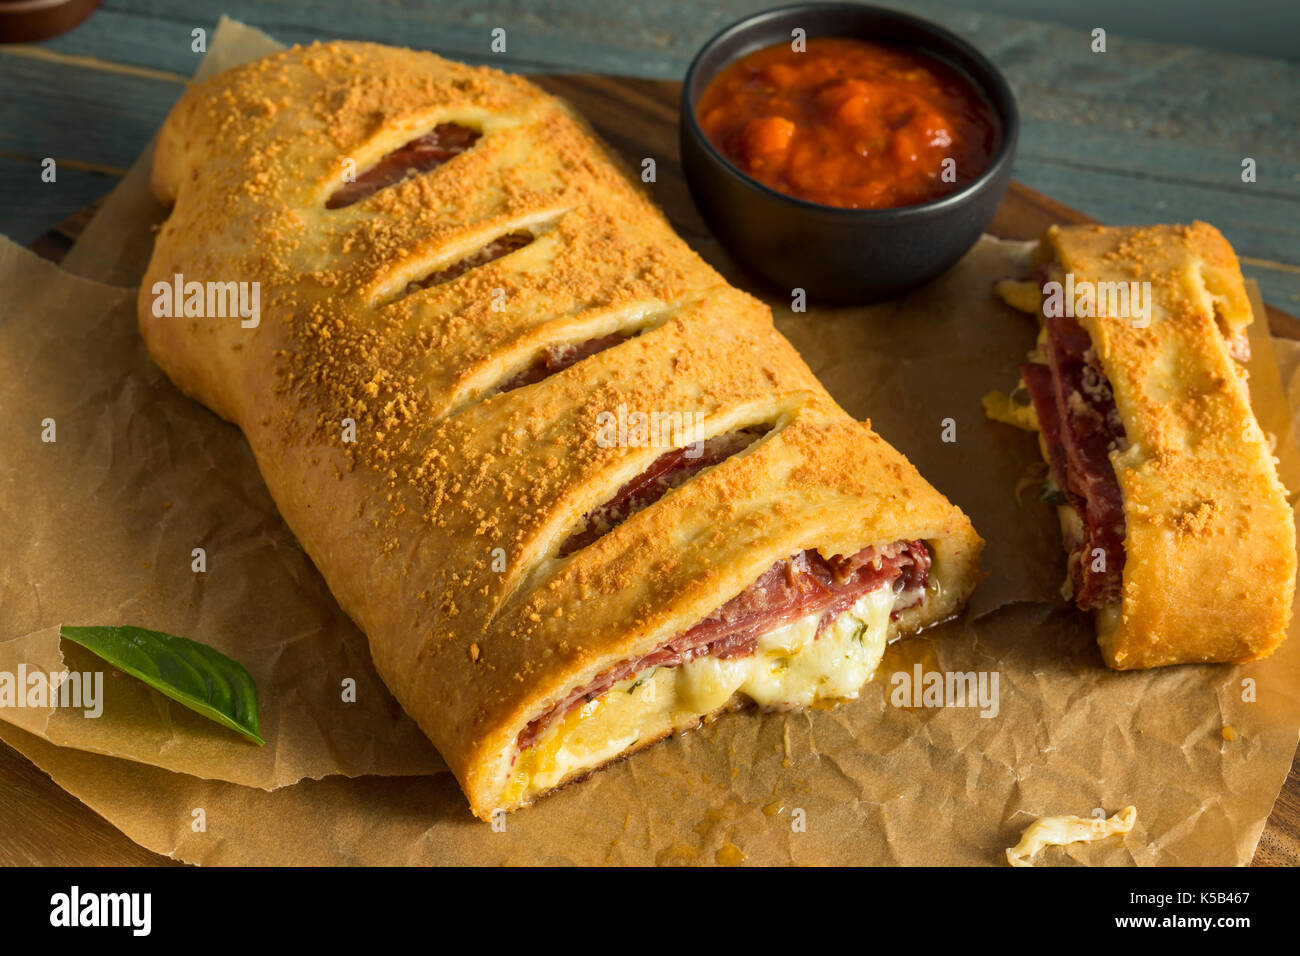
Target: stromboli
474, 405
1146, 423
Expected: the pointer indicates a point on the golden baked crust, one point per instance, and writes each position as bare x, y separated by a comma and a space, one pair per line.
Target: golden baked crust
1210, 564
446, 480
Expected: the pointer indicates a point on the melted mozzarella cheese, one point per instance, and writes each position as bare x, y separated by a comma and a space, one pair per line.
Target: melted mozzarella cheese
790, 668
1064, 830
1022, 294
1000, 407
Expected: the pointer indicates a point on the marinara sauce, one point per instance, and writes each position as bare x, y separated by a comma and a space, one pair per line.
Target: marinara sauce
850, 123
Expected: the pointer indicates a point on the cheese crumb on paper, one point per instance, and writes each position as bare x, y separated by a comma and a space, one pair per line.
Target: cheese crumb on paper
1062, 830
1021, 294
1001, 407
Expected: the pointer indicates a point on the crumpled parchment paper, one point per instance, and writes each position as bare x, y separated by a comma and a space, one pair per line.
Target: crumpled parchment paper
98, 528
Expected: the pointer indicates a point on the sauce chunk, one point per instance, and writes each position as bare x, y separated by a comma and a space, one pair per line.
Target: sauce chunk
850, 123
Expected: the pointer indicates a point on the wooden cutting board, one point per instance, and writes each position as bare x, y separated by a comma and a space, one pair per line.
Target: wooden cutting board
40, 823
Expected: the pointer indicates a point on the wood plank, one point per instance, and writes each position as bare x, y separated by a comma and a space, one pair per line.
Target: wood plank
44, 825
94, 63
1124, 140
638, 118
20, 180
1244, 213
76, 113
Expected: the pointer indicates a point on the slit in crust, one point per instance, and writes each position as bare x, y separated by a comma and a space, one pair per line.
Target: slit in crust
498, 248
670, 470
556, 358
429, 151
532, 364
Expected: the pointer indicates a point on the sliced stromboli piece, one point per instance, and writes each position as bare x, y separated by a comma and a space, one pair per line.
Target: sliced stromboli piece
1180, 539
457, 458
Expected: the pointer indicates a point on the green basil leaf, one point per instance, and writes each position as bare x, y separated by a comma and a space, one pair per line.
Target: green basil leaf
193, 674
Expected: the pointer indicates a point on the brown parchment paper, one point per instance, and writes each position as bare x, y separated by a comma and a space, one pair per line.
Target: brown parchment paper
863, 782
99, 527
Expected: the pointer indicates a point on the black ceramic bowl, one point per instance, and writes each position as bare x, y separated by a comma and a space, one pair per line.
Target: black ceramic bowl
836, 254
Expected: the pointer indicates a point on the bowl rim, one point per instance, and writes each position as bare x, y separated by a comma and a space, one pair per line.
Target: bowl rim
1001, 91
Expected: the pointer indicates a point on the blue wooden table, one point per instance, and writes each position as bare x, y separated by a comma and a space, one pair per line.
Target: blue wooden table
1142, 132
